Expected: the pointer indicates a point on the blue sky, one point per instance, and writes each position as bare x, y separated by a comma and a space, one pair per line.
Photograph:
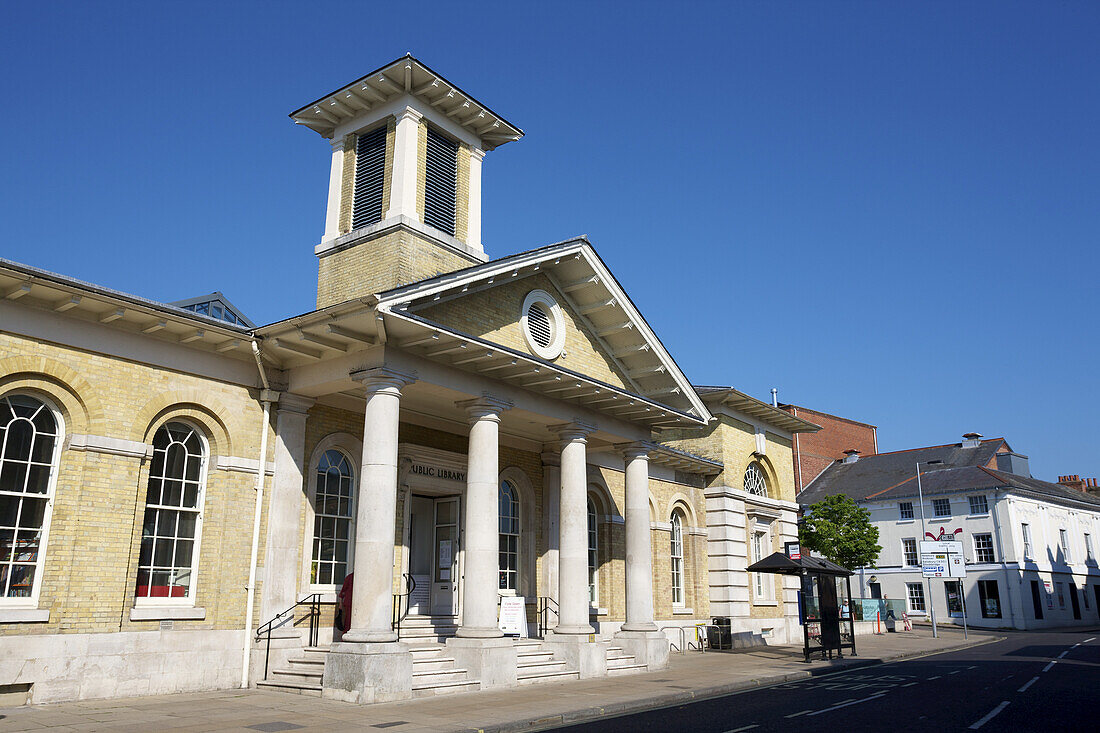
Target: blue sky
886, 210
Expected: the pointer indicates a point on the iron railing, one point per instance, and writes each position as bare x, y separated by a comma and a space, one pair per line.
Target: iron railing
546, 606
399, 600
314, 602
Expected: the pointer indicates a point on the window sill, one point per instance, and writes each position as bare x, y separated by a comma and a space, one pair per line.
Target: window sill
764, 602
681, 611
24, 615
167, 613
906, 521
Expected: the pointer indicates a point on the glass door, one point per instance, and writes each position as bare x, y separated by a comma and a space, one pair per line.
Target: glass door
445, 557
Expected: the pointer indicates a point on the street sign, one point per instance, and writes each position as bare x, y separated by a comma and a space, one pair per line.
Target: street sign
941, 559
956, 566
934, 565
945, 547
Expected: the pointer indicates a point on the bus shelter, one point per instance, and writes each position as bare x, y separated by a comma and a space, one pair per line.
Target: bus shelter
824, 603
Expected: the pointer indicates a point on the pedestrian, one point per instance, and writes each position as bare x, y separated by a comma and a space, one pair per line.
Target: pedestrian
343, 605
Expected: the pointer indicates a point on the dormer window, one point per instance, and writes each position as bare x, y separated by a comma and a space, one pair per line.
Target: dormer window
370, 175
440, 175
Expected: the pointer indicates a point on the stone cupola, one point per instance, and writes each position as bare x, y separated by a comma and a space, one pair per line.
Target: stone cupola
404, 200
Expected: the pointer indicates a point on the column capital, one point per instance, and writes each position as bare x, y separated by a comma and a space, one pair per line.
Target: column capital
290, 402
378, 379
408, 114
635, 450
551, 454
477, 154
576, 430
484, 407
339, 144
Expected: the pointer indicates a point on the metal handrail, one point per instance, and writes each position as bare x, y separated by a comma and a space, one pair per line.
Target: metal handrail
313, 600
546, 605
398, 614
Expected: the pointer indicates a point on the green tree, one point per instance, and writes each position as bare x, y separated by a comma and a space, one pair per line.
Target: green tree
840, 530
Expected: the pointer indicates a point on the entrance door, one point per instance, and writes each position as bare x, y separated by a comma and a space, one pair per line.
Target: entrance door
876, 590
1036, 599
1074, 601
445, 557
1096, 590
421, 530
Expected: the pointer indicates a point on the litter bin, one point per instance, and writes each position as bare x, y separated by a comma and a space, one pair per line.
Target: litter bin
723, 637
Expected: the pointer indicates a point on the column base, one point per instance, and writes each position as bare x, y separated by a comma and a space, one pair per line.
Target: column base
589, 658
648, 647
477, 632
492, 661
366, 673
360, 636
573, 630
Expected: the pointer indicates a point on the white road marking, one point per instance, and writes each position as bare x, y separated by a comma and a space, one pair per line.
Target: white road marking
955, 672
1086, 641
1047, 668
1063, 653
1029, 684
747, 727
795, 715
844, 705
910, 684
989, 717
933, 678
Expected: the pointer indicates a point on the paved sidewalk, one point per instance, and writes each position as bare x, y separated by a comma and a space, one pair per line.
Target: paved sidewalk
690, 676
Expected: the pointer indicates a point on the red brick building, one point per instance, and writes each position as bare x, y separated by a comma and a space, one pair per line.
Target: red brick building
814, 452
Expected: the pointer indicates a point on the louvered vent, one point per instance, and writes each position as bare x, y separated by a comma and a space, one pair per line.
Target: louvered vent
370, 169
439, 183
538, 323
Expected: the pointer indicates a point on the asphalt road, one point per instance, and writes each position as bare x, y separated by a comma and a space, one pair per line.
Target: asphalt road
1032, 681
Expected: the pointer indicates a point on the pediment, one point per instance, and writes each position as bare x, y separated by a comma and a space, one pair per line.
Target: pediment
605, 337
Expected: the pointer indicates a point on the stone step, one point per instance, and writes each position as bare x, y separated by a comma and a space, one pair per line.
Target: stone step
454, 674
293, 687
548, 665
429, 689
534, 656
618, 662
540, 677
413, 620
304, 663
429, 664
628, 669
303, 676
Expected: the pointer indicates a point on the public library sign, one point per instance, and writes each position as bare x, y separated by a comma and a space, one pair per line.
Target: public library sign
437, 472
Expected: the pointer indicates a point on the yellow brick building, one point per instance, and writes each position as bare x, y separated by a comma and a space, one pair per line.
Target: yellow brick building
487, 447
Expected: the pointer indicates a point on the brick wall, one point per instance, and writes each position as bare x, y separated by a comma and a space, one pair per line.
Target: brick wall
816, 451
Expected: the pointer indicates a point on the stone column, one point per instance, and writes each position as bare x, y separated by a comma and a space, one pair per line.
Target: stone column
406, 153
284, 510
639, 557
480, 646
481, 544
376, 508
369, 665
639, 634
473, 227
335, 186
551, 493
573, 538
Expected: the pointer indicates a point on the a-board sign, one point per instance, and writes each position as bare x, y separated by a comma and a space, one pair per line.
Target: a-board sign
513, 615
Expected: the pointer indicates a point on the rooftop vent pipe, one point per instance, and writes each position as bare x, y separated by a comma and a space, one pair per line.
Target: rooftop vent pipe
972, 440
775, 397
851, 455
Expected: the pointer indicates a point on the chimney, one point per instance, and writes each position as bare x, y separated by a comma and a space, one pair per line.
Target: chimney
775, 397
972, 440
851, 455
1073, 481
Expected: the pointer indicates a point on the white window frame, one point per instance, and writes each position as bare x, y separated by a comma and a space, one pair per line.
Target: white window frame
517, 518
676, 558
311, 529
755, 481
1089, 557
31, 601
557, 325
905, 553
935, 511
982, 509
901, 511
761, 544
909, 597
187, 601
979, 550
1063, 542
593, 529
1025, 531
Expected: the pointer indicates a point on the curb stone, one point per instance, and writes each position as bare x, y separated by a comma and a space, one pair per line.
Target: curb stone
585, 715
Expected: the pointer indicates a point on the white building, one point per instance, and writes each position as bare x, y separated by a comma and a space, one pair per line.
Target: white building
1030, 545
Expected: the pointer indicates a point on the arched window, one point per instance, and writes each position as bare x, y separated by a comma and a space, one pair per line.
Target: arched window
173, 514
509, 536
677, 559
754, 480
334, 507
593, 557
30, 439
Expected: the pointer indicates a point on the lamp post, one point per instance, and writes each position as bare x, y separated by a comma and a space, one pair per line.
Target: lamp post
924, 530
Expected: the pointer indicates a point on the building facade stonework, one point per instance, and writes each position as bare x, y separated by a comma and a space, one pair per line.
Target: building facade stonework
184, 496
